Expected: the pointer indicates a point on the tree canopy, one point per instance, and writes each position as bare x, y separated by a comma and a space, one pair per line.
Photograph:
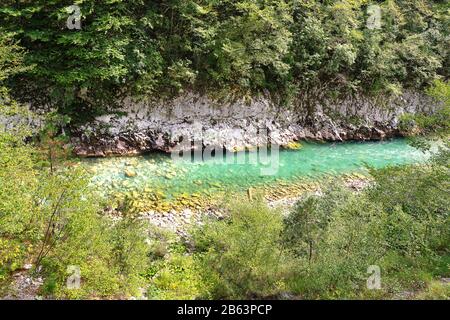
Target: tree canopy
156, 49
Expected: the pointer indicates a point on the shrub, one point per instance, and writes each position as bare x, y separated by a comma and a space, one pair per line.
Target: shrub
418, 195
343, 250
401, 221
241, 257
130, 252
436, 290
178, 277
53, 219
435, 125
306, 224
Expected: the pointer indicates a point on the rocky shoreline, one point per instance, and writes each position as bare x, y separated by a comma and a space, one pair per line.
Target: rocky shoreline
182, 220
195, 121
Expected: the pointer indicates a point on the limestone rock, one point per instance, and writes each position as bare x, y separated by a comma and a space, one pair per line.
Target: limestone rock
192, 121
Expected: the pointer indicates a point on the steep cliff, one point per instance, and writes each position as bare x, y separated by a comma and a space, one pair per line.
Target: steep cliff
142, 127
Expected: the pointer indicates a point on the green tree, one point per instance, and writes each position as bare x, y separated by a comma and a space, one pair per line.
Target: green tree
232, 48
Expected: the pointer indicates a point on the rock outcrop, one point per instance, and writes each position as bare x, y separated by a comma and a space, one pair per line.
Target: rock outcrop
194, 121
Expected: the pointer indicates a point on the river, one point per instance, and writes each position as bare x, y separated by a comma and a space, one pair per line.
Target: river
171, 177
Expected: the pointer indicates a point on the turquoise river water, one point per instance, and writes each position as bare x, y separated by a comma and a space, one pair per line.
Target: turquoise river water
246, 169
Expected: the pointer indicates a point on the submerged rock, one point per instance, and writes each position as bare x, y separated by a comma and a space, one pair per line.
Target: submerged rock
294, 145
130, 173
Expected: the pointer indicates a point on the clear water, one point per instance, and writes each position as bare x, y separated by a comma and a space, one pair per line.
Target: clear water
160, 172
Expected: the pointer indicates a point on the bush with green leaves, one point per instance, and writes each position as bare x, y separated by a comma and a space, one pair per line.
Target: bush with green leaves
434, 126
401, 221
240, 257
335, 241
306, 224
177, 277
334, 46
52, 219
56, 219
421, 193
11, 57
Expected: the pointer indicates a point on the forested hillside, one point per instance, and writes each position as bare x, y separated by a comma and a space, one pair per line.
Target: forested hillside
329, 220
231, 48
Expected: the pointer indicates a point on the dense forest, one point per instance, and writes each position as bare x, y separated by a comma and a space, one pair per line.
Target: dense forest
228, 48
61, 237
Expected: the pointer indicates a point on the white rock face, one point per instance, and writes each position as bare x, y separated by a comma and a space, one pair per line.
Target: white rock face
235, 126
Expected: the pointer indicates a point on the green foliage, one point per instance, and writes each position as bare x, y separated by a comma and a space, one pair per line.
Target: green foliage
111, 259
17, 165
440, 90
401, 221
420, 194
178, 278
436, 291
52, 219
346, 240
334, 47
240, 257
306, 224
435, 125
130, 252
439, 122
251, 40
52, 143
55, 218
69, 231
153, 49
12, 256
11, 57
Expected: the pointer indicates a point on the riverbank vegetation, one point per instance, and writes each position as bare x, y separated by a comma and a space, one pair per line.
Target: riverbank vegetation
52, 219
227, 48
324, 247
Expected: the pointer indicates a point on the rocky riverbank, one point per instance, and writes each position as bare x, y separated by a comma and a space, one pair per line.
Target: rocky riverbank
194, 121
283, 197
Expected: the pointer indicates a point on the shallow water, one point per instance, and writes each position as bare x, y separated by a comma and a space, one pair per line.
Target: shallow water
187, 176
